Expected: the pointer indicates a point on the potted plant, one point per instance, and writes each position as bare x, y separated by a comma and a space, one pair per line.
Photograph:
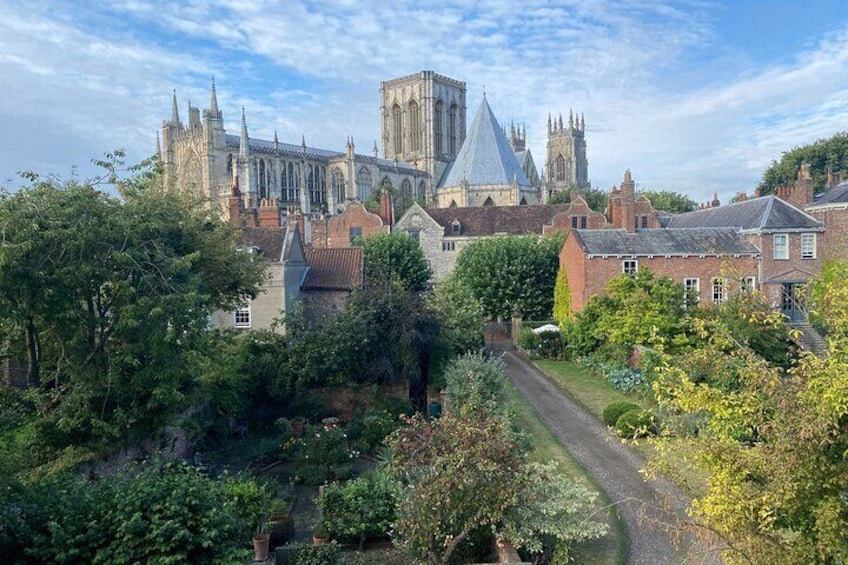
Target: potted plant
280, 524
298, 426
261, 541
320, 535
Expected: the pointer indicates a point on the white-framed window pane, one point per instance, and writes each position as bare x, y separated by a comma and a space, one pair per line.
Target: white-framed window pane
241, 317
781, 246
808, 246
630, 267
749, 284
718, 290
692, 291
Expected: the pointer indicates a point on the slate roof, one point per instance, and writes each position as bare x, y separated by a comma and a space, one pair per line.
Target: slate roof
477, 221
268, 241
836, 195
486, 157
263, 144
333, 268
662, 242
768, 213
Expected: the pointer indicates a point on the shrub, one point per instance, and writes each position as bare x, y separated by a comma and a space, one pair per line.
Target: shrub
362, 508
322, 456
528, 340
635, 424
303, 553
477, 383
368, 430
614, 411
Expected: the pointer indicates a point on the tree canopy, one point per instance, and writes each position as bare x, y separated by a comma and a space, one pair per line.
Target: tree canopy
512, 273
596, 199
106, 300
395, 256
670, 201
822, 155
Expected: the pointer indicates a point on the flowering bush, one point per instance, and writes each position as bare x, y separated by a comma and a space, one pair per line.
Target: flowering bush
362, 508
323, 455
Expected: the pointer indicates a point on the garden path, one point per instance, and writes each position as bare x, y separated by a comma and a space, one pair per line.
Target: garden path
649, 509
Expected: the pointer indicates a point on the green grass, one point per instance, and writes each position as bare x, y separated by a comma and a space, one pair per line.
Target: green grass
612, 548
591, 391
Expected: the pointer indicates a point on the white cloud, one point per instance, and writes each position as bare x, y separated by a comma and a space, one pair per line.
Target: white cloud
653, 103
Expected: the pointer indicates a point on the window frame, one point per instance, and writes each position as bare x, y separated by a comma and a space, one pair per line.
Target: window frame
718, 288
626, 271
810, 239
354, 232
246, 314
784, 246
690, 298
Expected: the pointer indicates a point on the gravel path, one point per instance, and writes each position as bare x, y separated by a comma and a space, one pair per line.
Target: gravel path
645, 507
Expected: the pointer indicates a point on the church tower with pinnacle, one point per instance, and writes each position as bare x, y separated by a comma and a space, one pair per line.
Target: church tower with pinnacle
423, 121
566, 165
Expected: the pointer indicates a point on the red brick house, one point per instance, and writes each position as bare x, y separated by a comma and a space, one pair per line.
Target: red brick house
709, 262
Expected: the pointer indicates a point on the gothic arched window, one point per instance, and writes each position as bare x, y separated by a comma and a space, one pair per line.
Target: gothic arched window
337, 184
397, 121
230, 165
405, 197
263, 185
414, 127
452, 129
422, 190
560, 168
438, 137
364, 183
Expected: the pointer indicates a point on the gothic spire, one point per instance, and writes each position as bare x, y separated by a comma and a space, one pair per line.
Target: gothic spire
276, 140
549, 123
582, 122
175, 113
560, 123
570, 119
243, 144
213, 103
158, 146
375, 149
303, 143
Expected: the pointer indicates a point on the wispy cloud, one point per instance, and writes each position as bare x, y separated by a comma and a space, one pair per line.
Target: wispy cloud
662, 94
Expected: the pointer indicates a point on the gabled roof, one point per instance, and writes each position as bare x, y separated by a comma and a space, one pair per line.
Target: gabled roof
838, 195
661, 242
478, 221
768, 213
268, 242
337, 268
486, 157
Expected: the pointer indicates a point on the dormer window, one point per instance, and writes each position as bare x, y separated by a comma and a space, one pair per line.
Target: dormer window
456, 227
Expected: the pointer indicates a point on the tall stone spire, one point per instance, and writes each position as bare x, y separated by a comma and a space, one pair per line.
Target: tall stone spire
570, 119
374, 150
243, 145
560, 123
582, 122
175, 112
158, 146
549, 123
276, 140
213, 103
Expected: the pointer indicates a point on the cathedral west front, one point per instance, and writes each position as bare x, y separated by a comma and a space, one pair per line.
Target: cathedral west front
429, 156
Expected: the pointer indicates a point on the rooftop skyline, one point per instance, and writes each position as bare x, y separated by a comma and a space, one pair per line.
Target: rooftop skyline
691, 96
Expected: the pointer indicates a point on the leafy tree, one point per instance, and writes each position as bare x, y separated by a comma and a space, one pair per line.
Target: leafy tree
670, 201
512, 273
459, 313
636, 310
108, 299
461, 474
822, 155
774, 450
596, 199
389, 256
474, 382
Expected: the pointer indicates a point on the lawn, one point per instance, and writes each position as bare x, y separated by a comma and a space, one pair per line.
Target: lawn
612, 548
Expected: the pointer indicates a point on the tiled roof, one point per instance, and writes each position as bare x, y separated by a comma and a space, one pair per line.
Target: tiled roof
836, 195
333, 268
661, 242
495, 220
486, 157
268, 241
767, 213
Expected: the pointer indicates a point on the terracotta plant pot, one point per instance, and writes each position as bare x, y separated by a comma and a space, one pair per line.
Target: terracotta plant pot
319, 541
260, 547
298, 426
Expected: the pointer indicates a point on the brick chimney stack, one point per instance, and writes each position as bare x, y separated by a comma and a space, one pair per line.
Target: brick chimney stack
269, 213
387, 209
628, 202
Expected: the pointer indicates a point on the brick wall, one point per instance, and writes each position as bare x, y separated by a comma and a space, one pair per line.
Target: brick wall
834, 241
794, 269
335, 231
589, 276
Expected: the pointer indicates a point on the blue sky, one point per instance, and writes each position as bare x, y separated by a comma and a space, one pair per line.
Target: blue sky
693, 96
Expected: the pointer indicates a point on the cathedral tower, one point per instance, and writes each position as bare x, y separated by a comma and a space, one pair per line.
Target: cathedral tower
423, 121
566, 165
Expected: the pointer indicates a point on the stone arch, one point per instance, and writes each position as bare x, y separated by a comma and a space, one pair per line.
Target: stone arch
422, 191
414, 126
452, 204
523, 201
438, 127
489, 201
337, 183
453, 124
364, 183
560, 168
405, 197
397, 123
